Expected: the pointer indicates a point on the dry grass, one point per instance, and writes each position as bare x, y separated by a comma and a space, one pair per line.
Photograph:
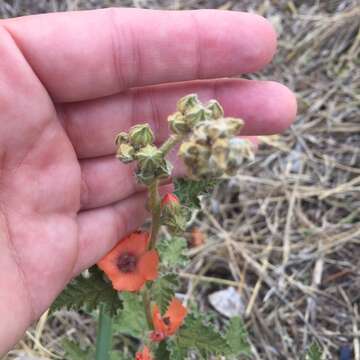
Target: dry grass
286, 232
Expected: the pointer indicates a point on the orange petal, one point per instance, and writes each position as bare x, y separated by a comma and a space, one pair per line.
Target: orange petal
135, 243
157, 320
108, 265
144, 355
148, 265
128, 281
176, 313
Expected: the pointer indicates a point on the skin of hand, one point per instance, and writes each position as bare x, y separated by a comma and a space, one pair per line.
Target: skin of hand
69, 83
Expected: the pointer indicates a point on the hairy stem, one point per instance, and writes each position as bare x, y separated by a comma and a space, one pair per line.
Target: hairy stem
154, 205
170, 143
104, 335
147, 306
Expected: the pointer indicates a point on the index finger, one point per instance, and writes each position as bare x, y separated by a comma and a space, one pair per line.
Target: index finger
91, 54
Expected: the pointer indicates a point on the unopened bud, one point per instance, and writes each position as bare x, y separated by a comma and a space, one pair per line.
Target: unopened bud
197, 114
151, 165
200, 134
141, 135
234, 125
194, 154
187, 102
169, 199
125, 153
216, 109
149, 158
220, 152
240, 150
164, 170
177, 123
173, 215
218, 129
121, 138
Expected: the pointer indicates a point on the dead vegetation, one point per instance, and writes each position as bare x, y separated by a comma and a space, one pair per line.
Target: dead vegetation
286, 232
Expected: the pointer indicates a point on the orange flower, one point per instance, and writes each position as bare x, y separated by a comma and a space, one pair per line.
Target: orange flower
144, 355
170, 322
129, 265
197, 237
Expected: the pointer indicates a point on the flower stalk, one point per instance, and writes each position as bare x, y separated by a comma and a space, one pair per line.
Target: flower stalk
155, 210
147, 306
170, 143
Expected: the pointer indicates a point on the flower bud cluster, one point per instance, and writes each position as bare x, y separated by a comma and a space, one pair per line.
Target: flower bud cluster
191, 112
138, 145
212, 149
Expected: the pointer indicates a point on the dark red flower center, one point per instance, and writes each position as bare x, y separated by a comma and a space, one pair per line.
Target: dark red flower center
166, 321
127, 263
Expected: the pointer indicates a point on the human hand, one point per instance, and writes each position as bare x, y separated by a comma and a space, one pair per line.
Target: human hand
69, 83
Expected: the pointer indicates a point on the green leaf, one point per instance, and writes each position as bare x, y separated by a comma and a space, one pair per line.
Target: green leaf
204, 338
73, 351
164, 290
314, 352
176, 353
171, 252
236, 337
132, 318
188, 191
162, 352
118, 355
88, 294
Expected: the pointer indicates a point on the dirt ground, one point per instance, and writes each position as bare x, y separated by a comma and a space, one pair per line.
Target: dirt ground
286, 232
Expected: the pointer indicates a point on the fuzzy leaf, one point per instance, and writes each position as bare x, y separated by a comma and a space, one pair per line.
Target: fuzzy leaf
236, 337
132, 319
314, 352
164, 291
203, 338
118, 355
188, 191
73, 351
88, 293
162, 352
171, 252
176, 353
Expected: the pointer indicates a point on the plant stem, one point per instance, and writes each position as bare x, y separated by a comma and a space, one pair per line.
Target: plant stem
155, 209
104, 335
154, 205
147, 305
154, 197
170, 143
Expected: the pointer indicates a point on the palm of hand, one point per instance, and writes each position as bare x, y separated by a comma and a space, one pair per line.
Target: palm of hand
40, 196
